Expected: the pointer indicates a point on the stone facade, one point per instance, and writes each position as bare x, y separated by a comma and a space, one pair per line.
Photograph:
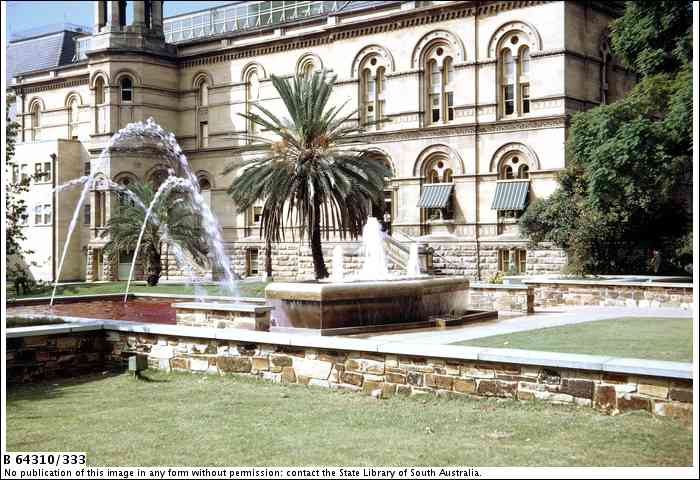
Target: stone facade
501, 298
208, 81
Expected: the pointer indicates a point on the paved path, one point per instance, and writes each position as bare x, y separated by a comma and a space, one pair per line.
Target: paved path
551, 318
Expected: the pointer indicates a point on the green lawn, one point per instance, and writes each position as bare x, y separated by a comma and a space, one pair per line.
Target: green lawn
189, 419
651, 338
247, 289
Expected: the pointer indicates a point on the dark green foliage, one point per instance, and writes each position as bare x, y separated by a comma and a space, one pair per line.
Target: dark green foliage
627, 188
16, 207
310, 176
173, 210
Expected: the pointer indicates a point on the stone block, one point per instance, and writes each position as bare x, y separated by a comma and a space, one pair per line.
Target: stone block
261, 364
473, 372
678, 410
415, 378
395, 378
438, 381
577, 388
288, 375
681, 395
200, 364
634, 402
180, 363
605, 398
312, 368
352, 378
319, 383
496, 388
162, 352
464, 385
404, 390
653, 389
234, 364
368, 386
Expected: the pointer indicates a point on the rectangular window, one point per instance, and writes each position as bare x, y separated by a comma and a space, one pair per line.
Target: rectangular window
204, 135
38, 172
24, 172
435, 108
47, 214
257, 215
380, 112
508, 100
503, 260
86, 168
252, 261
37, 215
526, 98
47, 171
86, 214
15, 173
521, 260
518, 258
450, 106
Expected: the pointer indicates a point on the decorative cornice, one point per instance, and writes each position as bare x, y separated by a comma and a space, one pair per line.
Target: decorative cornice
51, 84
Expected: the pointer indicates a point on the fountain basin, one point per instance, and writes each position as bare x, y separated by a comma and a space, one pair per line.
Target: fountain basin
223, 315
366, 306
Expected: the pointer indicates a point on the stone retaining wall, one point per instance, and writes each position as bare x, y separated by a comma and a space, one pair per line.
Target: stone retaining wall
606, 384
501, 298
611, 294
385, 375
33, 358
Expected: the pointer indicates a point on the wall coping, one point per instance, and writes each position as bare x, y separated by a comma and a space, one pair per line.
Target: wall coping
611, 364
223, 307
97, 296
497, 286
608, 283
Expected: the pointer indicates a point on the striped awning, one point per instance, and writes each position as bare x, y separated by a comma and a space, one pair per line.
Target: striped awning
511, 195
435, 195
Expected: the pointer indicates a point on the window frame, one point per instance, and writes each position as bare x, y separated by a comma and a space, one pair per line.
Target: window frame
123, 89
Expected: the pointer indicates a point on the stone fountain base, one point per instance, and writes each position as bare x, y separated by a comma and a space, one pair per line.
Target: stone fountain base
223, 315
358, 307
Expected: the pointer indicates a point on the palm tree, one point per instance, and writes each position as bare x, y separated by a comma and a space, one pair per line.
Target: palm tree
173, 210
310, 174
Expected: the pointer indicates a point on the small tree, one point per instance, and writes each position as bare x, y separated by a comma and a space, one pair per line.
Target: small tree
308, 175
173, 210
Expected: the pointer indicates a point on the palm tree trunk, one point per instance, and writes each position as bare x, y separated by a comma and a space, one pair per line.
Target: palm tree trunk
154, 268
268, 257
316, 249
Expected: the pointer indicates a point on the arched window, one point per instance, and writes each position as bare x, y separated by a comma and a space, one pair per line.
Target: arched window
157, 178
524, 80
439, 170
73, 118
508, 83
514, 74
99, 91
126, 90
372, 90
205, 189
35, 120
202, 93
514, 167
252, 96
439, 79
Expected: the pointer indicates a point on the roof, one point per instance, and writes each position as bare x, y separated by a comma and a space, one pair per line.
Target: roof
435, 195
511, 195
38, 53
240, 17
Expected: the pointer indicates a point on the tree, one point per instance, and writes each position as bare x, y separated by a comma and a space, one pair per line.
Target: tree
16, 208
309, 176
173, 210
626, 190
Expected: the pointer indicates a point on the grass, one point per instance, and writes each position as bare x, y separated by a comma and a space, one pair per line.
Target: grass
187, 419
14, 322
648, 338
247, 289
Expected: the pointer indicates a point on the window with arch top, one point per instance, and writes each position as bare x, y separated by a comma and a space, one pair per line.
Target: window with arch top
99, 91
35, 120
372, 90
514, 168
439, 80
252, 96
514, 74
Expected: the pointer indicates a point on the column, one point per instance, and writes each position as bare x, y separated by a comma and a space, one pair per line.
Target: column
157, 17
139, 15
100, 15
114, 21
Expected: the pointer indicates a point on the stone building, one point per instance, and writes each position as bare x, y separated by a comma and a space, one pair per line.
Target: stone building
472, 100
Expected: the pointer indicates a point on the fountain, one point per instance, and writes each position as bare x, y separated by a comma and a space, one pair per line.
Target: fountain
132, 138
338, 270
371, 300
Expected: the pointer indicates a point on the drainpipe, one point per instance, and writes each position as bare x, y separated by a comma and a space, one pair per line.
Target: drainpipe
476, 139
54, 221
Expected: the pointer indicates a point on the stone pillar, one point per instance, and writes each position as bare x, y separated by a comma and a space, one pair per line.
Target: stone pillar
157, 17
139, 23
114, 22
100, 15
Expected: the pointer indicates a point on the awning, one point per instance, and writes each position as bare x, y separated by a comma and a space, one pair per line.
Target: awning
435, 195
511, 195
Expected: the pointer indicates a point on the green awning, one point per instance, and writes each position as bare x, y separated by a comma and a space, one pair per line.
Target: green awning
511, 195
435, 195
